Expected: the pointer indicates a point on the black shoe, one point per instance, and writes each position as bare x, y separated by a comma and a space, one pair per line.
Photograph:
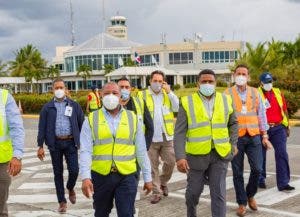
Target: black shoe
287, 188
262, 185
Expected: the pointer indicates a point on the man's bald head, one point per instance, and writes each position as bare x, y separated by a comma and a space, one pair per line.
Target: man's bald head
111, 88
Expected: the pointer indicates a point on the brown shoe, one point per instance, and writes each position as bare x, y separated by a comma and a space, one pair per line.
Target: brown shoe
241, 211
72, 196
252, 203
62, 207
155, 198
165, 190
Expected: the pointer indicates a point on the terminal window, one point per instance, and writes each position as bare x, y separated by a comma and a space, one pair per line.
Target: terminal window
181, 58
219, 56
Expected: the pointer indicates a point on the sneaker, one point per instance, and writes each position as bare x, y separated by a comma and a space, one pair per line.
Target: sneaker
252, 203
262, 185
241, 211
155, 198
287, 188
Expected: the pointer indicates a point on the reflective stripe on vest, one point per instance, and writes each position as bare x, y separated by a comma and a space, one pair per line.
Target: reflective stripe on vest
202, 131
139, 107
6, 149
109, 149
95, 101
168, 117
277, 93
248, 122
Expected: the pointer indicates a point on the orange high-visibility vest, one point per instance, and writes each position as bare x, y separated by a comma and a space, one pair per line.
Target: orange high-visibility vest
247, 116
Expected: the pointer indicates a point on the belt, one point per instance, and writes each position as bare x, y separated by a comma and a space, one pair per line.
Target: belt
114, 170
274, 124
64, 137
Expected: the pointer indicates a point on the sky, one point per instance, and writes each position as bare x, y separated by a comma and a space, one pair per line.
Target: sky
46, 23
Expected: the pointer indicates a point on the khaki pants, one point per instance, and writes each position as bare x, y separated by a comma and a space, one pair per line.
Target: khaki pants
165, 151
5, 181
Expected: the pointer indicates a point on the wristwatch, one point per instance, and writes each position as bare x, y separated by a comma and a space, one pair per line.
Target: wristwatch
18, 158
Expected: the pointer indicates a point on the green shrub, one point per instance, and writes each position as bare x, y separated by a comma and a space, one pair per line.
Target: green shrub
221, 83
190, 85
176, 86
292, 101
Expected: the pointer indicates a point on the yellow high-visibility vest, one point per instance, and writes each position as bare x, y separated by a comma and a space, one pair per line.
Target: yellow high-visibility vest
95, 101
167, 116
204, 132
285, 120
6, 148
109, 149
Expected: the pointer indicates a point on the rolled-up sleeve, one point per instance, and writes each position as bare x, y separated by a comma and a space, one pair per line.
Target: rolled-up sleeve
141, 153
15, 125
174, 101
86, 150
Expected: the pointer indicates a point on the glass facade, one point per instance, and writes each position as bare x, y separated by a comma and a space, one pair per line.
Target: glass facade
90, 83
69, 64
181, 58
113, 59
219, 56
94, 61
146, 60
190, 79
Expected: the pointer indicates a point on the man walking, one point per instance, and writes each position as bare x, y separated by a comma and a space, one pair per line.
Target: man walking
12, 137
161, 102
93, 100
205, 140
138, 106
278, 132
252, 121
112, 139
59, 128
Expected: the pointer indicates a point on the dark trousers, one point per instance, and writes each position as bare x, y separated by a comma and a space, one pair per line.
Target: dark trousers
122, 188
64, 148
5, 181
251, 146
278, 137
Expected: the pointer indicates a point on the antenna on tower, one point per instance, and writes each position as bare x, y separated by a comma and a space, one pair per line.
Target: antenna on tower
103, 15
72, 25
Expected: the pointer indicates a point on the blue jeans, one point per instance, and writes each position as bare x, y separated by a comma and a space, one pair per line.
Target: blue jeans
64, 148
251, 146
122, 188
278, 137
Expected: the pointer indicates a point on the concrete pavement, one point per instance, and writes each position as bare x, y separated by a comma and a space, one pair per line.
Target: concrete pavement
33, 192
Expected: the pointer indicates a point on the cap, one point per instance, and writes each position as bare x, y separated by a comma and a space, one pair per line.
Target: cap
266, 77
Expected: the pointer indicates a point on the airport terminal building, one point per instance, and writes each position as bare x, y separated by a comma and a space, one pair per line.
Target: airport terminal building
180, 61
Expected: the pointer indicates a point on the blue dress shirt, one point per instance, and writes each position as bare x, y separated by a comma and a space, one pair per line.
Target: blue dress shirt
62, 124
86, 148
15, 125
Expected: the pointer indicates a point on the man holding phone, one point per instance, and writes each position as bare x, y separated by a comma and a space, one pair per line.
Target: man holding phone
162, 103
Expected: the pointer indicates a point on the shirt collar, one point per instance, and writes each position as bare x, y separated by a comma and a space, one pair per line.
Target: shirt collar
121, 109
65, 99
204, 98
152, 93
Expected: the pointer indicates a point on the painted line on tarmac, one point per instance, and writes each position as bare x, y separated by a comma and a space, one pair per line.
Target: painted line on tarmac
231, 204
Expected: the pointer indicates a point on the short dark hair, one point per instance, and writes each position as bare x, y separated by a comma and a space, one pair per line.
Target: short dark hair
124, 78
206, 72
241, 66
57, 80
157, 72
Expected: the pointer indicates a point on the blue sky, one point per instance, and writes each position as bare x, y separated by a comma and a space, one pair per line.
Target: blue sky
46, 24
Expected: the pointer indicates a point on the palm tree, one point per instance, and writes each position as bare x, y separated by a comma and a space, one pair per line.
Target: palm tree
28, 63
3, 69
84, 71
108, 68
52, 72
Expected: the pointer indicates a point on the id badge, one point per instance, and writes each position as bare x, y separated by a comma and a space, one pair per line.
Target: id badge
166, 110
244, 109
267, 104
68, 111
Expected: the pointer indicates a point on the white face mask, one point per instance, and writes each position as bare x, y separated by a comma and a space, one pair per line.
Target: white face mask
156, 87
240, 80
59, 93
207, 89
268, 86
110, 102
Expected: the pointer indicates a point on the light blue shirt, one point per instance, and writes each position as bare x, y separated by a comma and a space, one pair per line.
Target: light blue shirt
158, 120
261, 113
62, 124
15, 125
86, 146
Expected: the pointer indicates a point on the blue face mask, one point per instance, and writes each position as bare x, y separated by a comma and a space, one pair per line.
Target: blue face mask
125, 94
207, 89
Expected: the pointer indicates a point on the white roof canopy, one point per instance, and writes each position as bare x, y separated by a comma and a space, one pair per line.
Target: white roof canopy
139, 71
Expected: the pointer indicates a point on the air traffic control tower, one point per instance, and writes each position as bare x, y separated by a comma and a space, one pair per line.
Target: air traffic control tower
118, 27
